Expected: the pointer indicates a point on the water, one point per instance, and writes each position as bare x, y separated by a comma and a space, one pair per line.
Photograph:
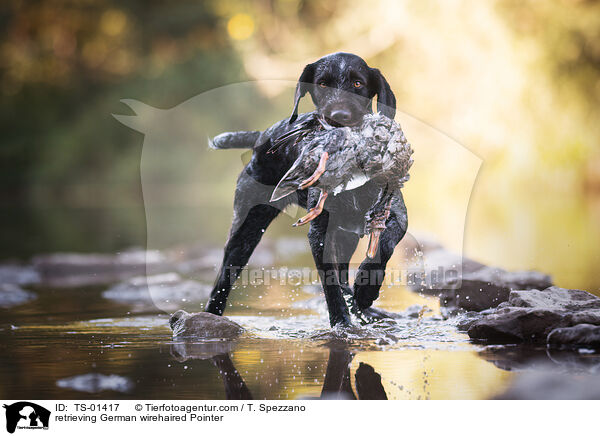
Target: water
283, 354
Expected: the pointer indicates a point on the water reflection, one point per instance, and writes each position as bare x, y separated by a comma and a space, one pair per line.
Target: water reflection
336, 384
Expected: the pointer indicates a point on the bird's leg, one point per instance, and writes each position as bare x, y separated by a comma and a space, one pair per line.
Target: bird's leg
314, 212
376, 227
318, 172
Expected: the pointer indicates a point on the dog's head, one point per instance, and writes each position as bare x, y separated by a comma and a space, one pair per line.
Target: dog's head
342, 87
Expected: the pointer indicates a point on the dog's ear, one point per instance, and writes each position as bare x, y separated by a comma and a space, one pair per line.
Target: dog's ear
305, 82
386, 100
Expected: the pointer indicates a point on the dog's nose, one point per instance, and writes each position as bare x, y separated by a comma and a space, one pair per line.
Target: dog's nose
341, 116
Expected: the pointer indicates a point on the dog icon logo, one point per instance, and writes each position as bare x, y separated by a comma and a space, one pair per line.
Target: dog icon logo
26, 415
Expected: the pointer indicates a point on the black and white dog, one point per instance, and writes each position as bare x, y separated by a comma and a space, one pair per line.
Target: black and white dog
342, 87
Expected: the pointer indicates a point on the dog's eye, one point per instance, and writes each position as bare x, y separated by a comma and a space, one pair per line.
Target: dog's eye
322, 84
357, 84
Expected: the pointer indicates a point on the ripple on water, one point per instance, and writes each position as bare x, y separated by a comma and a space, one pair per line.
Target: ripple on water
426, 332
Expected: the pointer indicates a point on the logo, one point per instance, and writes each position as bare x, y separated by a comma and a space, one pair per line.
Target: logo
26, 415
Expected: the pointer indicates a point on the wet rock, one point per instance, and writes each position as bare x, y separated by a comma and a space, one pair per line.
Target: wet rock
549, 385
203, 325
581, 335
94, 383
18, 274
529, 316
12, 295
74, 270
555, 298
487, 287
163, 290
465, 320
515, 324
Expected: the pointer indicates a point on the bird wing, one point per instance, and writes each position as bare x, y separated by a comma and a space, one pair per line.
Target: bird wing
304, 166
298, 132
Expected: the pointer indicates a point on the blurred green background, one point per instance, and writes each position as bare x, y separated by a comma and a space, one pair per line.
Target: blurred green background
516, 82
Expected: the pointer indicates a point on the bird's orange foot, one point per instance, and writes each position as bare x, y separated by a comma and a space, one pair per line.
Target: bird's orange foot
318, 172
314, 212
373, 243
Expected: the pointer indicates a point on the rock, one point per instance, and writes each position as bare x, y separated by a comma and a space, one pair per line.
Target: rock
581, 335
12, 295
529, 316
464, 320
203, 325
548, 385
94, 383
590, 316
555, 298
488, 287
18, 274
515, 324
74, 270
163, 290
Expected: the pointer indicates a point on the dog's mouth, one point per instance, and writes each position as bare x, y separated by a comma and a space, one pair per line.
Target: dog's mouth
334, 123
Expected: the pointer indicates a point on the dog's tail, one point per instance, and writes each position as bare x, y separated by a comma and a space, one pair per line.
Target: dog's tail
234, 140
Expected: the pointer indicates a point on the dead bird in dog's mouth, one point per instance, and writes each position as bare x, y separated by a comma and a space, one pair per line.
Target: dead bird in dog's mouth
345, 158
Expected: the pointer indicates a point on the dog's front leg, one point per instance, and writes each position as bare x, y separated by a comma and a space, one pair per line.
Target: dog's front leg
242, 241
328, 269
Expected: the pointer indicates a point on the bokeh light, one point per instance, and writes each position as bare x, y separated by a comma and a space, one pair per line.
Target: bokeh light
240, 26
